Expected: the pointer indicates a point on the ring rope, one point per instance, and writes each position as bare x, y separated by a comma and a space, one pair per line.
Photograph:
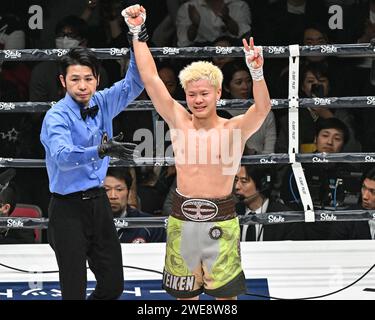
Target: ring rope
272, 158
270, 218
223, 104
347, 50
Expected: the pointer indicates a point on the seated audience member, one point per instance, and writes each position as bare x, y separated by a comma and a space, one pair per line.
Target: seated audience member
70, 32
360, 229
12, 36
164, 34
153, 185
252, 186
203, 21
284, 20
324, 180
117, 184
331, 136
315, 82
223, 42
237, 84
8, 200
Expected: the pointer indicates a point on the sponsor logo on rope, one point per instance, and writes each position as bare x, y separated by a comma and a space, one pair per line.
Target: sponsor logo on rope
58, 52
118, 52
275, 218
317, 159
276, 50
14, 223
274, 102
263, 160
7, 106
171, 51
371, 100
369, 159
120, 223
199, 209
221, 102
224, 50
327, 217
322, 101
12, 54
328, 49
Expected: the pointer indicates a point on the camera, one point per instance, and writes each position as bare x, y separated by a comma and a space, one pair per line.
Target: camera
317, 90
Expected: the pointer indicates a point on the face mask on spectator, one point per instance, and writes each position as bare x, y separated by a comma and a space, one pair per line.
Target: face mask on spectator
66, 42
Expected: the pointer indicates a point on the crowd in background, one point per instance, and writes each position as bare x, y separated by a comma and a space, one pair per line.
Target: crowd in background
99, 24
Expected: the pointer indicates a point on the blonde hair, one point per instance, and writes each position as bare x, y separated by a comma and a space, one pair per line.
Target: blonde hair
201, 70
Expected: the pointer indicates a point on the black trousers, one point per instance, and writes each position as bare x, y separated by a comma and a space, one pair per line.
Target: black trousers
81, 229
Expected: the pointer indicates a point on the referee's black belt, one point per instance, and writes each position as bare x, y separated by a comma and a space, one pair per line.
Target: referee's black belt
82, 195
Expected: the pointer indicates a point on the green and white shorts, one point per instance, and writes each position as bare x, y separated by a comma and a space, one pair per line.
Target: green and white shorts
203, 257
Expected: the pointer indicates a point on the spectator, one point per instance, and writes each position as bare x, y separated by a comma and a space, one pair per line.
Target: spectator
252, 186
285, 20
331, 136
363, 73
315, 83
56, 10
19, 132
12, 36
8, 201
338, 72
223, 41
325, 181
117, 184
70, 32
237, 84
164, 34
360, 229
203, 21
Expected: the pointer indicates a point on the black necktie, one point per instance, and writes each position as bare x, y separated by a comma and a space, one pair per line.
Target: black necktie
250, 233
92, 112
251, 230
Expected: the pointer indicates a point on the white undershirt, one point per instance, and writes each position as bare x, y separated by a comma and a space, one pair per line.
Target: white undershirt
258, 227
123, 215
372, 228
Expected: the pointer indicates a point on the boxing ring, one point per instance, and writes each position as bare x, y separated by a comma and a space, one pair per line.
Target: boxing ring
287, 269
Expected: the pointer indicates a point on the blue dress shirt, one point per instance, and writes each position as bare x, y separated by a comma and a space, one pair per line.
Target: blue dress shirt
71, 143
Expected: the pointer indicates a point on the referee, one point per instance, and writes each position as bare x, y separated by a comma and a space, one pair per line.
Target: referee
76, 134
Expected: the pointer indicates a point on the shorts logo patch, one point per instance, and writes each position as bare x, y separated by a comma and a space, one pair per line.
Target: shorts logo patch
215, 233
199, 209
